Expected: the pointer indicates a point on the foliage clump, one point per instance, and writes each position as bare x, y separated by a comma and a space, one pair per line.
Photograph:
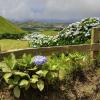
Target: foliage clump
78, 33
75, 33
21, 74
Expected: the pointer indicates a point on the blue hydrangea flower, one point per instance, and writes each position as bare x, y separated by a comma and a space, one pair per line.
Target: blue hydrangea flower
40, 60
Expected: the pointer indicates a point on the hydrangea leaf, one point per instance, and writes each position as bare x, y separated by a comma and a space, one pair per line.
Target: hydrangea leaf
42, 73
34, 79
24, 83
40, 85
7, 76
22, 74
16, 92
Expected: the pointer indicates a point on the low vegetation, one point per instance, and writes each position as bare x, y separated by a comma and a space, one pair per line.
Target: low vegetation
49, 32
11, 44
40, 72
67, 76
75, 33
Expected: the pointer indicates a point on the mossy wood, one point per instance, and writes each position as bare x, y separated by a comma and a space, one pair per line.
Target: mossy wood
95, 39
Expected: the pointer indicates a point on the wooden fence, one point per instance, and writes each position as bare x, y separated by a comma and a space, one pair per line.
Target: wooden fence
94, 48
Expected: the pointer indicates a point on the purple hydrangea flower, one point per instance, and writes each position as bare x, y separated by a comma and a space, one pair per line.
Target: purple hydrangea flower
39, 60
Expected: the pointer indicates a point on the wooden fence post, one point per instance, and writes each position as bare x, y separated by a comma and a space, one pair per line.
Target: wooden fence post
95, 39
0, 48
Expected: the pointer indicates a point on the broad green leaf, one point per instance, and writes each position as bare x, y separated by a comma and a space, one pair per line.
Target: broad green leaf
10, 61
4, 67
7, 76
34, 79
12, 81
16, 92
11, 86
27, 87
62, 74
40, 85
24, 83
26, 60
42, 73
21, 74
16, 79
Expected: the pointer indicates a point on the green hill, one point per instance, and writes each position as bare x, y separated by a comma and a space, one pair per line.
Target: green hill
8, 27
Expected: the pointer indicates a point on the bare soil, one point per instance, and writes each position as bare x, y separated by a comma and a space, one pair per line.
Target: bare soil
84, 86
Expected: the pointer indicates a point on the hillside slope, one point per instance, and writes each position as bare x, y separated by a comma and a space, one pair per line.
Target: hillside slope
8, 27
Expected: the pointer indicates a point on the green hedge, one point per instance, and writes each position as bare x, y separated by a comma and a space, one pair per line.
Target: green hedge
12, 36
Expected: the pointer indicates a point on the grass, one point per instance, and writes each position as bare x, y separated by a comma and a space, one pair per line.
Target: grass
8, 27
9, 44
49, 32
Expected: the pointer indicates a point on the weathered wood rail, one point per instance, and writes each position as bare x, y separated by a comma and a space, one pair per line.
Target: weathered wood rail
94, 48
55, 49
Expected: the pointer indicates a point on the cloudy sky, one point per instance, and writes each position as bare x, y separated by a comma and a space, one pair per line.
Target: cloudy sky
49, 9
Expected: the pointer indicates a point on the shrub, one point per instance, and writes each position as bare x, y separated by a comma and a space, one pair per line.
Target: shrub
12, 36
75, 33
39, 71
39, 40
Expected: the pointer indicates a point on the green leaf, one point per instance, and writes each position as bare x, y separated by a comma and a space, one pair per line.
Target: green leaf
22, 74
40, 85
11, 86
62, 56
11, 61
7, 76
27, 58
53, 67
42, 73
11, 81
34, 79
62, 74
25, 61
16, 79
16, 92
4, 67
52, 75
24, 83
27, 87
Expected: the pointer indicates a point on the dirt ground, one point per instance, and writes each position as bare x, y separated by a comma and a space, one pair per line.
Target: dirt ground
85, 86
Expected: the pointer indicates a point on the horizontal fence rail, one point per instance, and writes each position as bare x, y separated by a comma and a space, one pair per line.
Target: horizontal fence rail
55, 49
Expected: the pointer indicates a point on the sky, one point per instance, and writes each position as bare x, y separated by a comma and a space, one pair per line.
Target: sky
68, 10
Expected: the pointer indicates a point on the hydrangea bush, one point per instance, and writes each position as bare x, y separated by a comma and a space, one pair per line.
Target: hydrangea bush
40, 72
39, 40
75, 33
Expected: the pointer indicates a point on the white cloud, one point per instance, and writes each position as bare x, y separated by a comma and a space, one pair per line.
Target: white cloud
49, 9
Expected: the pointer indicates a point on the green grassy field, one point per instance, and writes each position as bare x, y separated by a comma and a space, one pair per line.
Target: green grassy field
8, 44
49, 32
